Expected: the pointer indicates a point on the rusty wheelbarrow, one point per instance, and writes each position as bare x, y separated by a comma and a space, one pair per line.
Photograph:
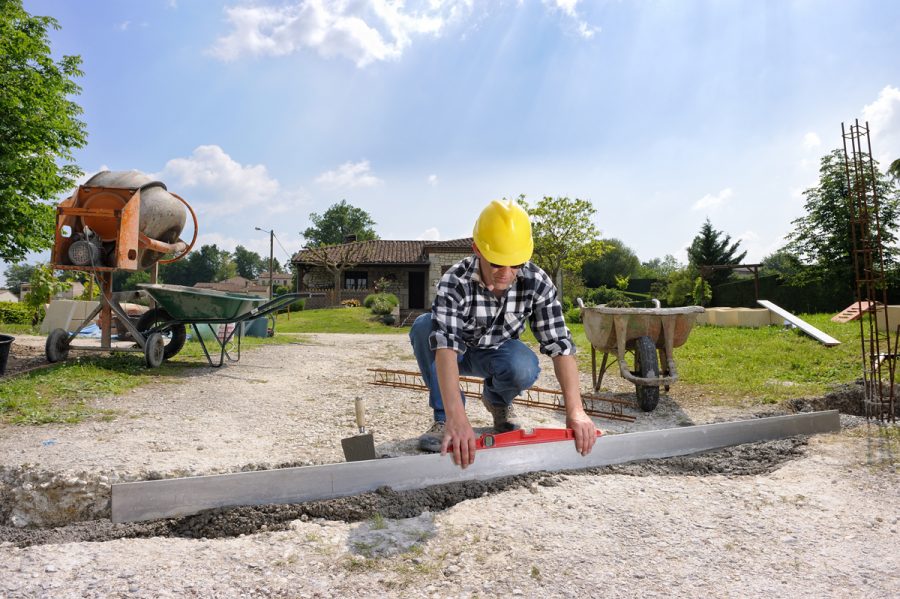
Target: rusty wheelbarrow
644, 332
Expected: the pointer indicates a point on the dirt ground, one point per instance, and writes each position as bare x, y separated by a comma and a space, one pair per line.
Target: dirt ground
797, 517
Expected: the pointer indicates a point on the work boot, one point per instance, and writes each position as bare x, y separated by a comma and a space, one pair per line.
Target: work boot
504, 416
432, 439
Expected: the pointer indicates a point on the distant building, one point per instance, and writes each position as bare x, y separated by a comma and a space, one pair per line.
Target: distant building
8, 296
279, 279
72, 292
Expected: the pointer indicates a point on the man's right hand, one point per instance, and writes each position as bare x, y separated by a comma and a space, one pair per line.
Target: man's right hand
459, 439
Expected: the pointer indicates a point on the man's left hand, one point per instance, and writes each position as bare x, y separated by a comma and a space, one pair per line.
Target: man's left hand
585, 432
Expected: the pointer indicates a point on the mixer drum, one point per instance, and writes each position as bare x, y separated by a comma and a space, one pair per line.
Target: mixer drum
162, 215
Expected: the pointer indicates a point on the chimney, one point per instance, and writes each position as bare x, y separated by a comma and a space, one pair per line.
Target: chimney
349, 237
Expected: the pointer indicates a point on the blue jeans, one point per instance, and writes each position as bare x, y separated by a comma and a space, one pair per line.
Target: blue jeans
507, 370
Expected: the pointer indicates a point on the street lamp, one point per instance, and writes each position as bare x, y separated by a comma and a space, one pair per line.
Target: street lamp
271, 248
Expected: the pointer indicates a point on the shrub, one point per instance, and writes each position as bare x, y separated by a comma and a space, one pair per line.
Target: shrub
382, 306
573, 315
369, 300
605, 295
15, 313
294, 307
388, 298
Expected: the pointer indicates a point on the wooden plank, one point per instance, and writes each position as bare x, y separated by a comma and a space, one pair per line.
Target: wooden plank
174, 497
852, 312
801, 324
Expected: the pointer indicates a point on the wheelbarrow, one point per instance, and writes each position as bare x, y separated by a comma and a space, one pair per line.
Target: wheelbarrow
179, 306
161, 332
650, 334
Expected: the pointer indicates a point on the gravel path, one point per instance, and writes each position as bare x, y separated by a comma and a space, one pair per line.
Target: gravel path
773, 519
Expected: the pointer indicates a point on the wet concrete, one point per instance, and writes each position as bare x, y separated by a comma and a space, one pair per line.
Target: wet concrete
741, 460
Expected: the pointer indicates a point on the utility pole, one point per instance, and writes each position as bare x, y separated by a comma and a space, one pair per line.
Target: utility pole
271, 256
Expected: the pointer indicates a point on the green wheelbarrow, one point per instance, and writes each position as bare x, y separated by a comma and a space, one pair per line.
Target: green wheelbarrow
179, 307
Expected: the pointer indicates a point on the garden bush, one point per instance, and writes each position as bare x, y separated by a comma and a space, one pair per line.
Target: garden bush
573, 315
604, 295
16, 313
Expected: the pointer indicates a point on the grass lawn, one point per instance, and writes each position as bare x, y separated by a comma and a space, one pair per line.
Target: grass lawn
726, 365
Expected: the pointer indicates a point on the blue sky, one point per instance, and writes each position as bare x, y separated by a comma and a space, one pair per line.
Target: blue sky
662, 113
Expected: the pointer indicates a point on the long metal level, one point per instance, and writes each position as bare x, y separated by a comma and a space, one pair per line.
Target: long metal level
174, 497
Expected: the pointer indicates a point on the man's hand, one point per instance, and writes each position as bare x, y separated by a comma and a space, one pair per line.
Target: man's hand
459, 438
585, 432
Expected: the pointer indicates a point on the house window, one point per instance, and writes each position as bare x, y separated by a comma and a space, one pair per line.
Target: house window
355, 279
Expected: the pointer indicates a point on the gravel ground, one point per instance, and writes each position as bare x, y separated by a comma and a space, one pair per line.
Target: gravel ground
793, 517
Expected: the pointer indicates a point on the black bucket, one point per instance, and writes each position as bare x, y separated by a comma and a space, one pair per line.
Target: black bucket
5, 343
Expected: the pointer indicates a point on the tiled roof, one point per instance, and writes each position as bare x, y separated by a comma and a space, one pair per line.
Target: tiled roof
384, 251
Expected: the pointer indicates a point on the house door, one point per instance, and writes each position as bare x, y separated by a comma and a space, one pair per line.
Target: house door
417, 291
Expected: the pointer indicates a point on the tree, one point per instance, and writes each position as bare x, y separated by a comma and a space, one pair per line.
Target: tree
336, 259
16, 274
617, 260
249, 264
894, 171
205, 265
564, 235
39, 129
338, 223
782, 263
823, 238
709, 248
44, 286
660, 268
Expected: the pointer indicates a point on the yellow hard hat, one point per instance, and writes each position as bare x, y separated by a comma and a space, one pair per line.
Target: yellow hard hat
503, 233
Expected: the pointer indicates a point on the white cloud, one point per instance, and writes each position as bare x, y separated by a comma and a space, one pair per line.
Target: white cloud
712, 201
811, 141
349, 174
431, 234
229, 185
569, 9
361, 31
883, 116
123, 26
433, 180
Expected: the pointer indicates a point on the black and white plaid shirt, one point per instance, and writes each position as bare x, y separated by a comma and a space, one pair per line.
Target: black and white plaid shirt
465, 314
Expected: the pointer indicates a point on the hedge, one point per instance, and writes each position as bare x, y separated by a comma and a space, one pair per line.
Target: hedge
15, 313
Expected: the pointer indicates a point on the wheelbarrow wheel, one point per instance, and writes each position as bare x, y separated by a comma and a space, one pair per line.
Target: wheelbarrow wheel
57, 347
154, 349
173, 336
646, 365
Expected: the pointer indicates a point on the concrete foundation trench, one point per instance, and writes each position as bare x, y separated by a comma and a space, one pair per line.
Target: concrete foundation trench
57, 508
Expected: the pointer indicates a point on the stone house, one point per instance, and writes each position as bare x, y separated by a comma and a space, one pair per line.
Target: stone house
411, 268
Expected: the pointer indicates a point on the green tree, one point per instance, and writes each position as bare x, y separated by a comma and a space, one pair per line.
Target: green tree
782, 263
823, 238
338, 223
710, 248
660, 268
205, 265
39, 129
564, 234
16, 274
249, 264
44, 286
617, 260
894, 171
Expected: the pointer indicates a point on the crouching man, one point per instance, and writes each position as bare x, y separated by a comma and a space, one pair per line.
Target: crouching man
473, 329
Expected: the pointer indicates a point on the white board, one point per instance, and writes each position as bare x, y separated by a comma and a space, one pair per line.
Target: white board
800, 324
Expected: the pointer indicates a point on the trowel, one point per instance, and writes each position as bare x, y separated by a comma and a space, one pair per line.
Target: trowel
362, 446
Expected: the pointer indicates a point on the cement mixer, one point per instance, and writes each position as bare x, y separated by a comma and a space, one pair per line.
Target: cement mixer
123, 220
117, 220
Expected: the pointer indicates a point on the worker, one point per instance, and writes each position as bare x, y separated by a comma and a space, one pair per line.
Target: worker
473, 329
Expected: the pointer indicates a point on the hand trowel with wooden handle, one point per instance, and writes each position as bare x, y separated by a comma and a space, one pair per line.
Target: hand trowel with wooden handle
362, 446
